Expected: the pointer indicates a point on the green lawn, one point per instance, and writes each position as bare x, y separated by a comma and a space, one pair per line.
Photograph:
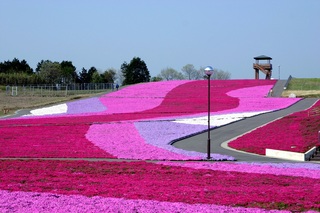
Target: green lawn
304, 84
303, 87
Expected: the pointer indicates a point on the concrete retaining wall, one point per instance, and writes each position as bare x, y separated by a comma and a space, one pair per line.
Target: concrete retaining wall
290, 155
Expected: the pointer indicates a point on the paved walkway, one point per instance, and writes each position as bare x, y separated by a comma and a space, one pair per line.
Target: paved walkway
278, 88
221, 135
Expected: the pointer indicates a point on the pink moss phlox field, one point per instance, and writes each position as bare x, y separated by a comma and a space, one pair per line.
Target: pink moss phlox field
170, 96
46, 202
186, 92
275, 169
176, 98
297, 132
124, 141
139, 97
165, 183
184, 98
254, 99
117, 128
88, 105
51, 141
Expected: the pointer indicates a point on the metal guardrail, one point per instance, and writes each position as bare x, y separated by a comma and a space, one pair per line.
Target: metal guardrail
288, 81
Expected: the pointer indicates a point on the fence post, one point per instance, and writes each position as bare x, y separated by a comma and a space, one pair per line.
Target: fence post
14, 91
7, 90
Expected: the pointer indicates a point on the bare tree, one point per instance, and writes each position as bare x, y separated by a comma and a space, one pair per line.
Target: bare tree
119, 77
217, 74
189, 71
199, 74
221, 75
171, 74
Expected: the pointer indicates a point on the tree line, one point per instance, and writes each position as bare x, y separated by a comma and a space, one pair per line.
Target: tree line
18, 72
191, 73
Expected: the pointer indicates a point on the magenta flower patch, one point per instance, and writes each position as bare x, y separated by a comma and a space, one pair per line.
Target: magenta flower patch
173, 183
287, 169
296, 132
139, 97
48, 141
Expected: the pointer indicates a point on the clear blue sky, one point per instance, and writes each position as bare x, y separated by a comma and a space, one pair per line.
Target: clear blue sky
224, 34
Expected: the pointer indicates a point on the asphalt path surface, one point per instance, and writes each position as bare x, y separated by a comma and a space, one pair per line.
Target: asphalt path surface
220, 136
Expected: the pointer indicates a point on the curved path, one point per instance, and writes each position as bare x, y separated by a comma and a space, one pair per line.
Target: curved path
221, 135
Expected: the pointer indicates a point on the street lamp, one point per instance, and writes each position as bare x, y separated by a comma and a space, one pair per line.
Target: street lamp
208, 71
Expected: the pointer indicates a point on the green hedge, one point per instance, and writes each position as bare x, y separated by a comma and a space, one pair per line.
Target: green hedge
19, 79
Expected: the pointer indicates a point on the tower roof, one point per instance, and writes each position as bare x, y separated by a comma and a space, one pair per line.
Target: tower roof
262, 57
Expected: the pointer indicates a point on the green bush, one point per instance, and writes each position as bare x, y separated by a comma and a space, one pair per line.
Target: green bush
19, 79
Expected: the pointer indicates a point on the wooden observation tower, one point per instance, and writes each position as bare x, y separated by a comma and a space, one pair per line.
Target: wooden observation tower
265, 67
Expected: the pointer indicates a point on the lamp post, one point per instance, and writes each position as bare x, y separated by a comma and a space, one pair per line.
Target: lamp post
208, 71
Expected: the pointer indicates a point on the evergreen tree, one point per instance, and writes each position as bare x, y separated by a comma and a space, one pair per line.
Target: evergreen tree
96, 78
68, 71
135, 72
15, 66
109, 76
84, 76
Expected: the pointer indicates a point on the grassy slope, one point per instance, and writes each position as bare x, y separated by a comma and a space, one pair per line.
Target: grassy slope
303, 87
14, 103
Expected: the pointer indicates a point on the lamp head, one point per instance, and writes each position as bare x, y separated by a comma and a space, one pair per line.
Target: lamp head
208, 70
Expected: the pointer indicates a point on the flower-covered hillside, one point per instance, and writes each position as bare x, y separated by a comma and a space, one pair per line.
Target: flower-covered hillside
83, 186
137, 122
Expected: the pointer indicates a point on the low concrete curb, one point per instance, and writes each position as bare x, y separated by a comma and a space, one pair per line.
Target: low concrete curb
273, 153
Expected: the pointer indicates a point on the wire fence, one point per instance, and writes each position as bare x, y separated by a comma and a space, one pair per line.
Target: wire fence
58, 90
